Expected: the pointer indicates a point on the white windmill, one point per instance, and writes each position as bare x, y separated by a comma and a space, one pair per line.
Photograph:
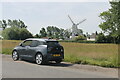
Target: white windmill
74, 27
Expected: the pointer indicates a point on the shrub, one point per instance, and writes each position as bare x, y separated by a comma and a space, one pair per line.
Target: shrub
15, 33
80, 37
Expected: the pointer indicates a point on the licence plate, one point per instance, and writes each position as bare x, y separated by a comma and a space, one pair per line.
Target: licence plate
56, 54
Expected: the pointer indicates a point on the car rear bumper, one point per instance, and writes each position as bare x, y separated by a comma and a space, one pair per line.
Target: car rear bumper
53, 57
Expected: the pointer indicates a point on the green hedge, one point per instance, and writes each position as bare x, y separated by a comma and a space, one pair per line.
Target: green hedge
79, 41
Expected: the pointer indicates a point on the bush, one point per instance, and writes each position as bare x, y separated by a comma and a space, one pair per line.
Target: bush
80, 38
15, 33
100, 38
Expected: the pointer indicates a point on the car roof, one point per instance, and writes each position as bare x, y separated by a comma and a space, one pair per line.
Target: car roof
40, 39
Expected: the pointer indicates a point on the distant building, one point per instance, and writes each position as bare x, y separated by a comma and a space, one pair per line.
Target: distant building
77, 32
91, 37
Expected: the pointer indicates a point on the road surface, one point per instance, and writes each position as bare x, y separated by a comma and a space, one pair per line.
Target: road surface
25, 69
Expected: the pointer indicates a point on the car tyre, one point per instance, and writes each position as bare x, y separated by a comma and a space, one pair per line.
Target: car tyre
39, 59
15, 55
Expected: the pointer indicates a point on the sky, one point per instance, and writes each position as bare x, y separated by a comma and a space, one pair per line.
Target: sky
42, 14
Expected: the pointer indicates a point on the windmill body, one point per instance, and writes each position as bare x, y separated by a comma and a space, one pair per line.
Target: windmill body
75, 31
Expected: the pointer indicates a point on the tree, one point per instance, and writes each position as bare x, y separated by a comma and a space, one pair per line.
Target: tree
12, 23
36, 36
96, 33
3, 24
43, 32
24, 34
54, 32
111, 23
22, 24
80, 37
0, 24
67, 34
100, 38
16, 23
10, 33
61, 33
49, 31
15, 33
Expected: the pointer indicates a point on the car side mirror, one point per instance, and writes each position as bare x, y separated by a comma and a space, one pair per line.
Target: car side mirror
20, 44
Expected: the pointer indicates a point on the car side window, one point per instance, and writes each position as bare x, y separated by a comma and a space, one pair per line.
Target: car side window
26, 43
42, 43
35, 43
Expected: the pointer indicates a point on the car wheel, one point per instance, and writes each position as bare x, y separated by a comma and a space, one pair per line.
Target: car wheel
58, 61
15, 56
39, 59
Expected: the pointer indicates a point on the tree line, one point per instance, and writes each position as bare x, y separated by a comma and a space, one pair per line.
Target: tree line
12, 23
54, 33
17, 30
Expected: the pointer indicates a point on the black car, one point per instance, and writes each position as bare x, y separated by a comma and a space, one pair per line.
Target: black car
39, 50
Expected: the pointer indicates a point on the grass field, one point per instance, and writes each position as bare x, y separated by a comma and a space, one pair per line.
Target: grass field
105, 55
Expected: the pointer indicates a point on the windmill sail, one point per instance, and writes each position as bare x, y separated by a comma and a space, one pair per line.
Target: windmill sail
71, 19
81, 22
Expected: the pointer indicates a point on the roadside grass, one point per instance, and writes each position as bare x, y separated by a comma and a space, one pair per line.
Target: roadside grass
112, 62
8, 45
105, 55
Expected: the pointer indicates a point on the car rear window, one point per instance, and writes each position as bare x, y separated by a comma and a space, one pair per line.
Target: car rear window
50, 43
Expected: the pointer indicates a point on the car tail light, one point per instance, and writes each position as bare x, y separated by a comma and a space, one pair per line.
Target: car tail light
62, 50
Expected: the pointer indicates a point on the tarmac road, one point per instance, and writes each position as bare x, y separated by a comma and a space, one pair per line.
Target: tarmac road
25, 69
